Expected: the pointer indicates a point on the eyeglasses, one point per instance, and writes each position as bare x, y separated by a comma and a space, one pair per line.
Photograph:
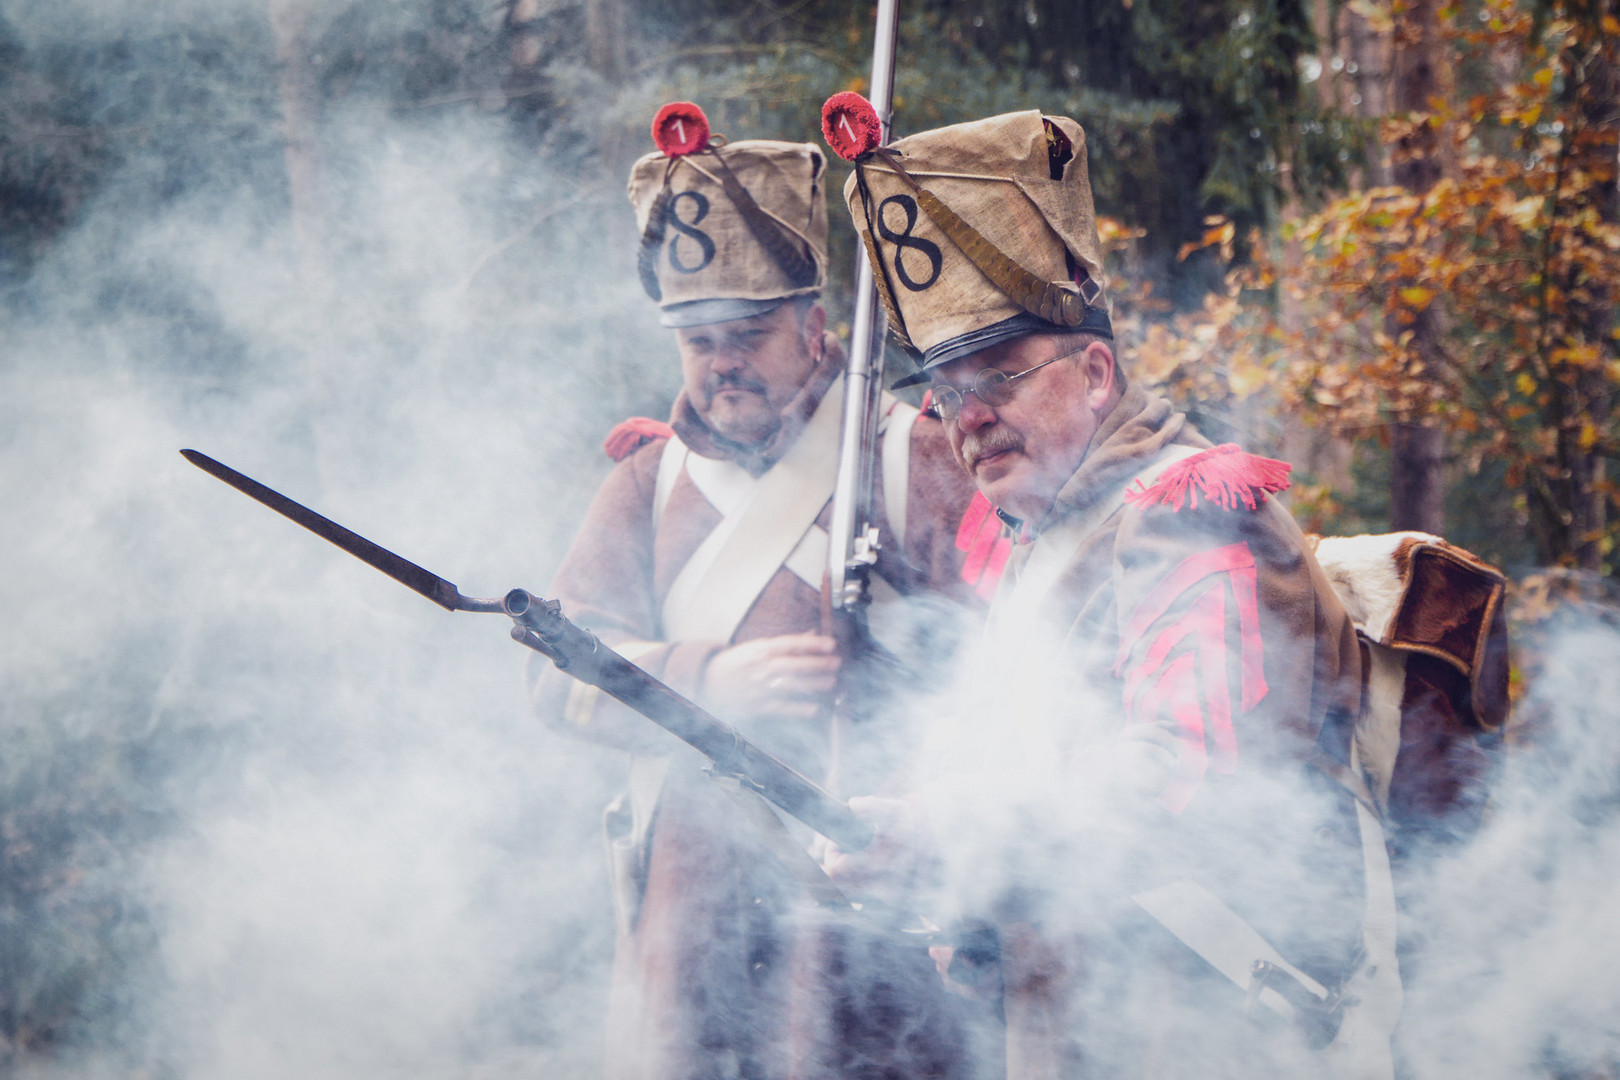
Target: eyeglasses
991, 386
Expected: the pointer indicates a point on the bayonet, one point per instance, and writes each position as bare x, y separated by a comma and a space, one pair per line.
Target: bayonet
404, 571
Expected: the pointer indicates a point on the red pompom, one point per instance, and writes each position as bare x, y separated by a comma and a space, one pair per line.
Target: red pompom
629, 436
850, 125
1224, 475
680, 128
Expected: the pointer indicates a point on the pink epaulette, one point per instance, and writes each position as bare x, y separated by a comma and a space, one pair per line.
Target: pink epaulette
1225, 475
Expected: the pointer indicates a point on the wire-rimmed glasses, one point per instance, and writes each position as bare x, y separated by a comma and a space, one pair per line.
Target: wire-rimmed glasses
991, 386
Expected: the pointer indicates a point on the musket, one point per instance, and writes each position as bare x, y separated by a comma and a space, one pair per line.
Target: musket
854, 547
540, 625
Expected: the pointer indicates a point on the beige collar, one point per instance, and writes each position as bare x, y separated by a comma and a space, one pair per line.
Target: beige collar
1136, 430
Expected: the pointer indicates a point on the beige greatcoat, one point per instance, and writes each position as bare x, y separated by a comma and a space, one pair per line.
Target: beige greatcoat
1163, 690
705, 961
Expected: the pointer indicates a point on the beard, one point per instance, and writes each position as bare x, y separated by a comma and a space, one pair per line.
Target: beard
746, 420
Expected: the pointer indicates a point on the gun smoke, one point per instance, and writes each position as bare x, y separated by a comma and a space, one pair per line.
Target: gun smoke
268, 814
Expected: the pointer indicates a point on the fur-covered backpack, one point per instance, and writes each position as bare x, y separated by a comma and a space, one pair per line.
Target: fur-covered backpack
1435, 677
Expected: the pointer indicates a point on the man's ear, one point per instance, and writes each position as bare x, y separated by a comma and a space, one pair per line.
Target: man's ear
815, 321
1098, 364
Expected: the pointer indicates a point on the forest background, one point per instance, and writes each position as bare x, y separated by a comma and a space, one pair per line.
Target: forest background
1379, 239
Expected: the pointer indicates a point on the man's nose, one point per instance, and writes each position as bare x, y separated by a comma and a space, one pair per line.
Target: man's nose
975, 414
729, 359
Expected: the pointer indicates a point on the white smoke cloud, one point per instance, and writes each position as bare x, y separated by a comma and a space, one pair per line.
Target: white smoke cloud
318, 830
1520, 930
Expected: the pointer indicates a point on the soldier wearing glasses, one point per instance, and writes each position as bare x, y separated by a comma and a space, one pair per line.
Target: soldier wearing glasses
702, 559
1132, 787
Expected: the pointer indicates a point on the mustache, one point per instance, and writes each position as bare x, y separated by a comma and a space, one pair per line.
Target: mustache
732, 380
994, 441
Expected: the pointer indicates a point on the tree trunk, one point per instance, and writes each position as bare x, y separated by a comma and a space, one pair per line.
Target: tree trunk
1421, 72
1592, 84
300, 111
1417, 478
604, 37
1603, 101
1361, 90
525, 42
308, 220
1369, 64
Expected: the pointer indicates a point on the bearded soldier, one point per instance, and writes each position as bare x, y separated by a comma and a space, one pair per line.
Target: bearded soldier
1155, 812
702, 559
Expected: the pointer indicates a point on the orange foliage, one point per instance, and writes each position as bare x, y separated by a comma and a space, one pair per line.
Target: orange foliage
1518, 245
1212, 357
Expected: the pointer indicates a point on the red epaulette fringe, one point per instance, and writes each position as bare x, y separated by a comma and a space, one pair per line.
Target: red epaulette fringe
1224, 475
979, 534
630, 435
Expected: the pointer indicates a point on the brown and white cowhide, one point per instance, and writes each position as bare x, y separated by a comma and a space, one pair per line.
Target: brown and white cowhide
1434, 642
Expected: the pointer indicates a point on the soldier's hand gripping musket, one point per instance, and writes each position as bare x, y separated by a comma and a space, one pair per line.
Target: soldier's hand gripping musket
540, 625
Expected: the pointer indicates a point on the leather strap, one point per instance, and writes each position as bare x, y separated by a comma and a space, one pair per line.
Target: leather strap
1378, 732
1373, 994
716, 588
1231, 946
670, 464
896, 462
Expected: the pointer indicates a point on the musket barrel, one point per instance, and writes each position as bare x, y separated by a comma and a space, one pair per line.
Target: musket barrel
583, 656
863, 380
852, 504
883, 49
